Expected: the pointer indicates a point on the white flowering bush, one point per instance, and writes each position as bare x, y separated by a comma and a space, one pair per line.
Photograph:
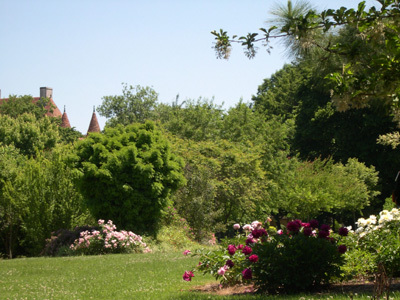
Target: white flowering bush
379, 238
108, 240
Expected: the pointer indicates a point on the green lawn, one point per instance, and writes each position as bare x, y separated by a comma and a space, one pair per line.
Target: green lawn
133, 276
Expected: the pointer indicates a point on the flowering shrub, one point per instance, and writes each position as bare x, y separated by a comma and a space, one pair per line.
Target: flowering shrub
297, 259
108, 240
380, 237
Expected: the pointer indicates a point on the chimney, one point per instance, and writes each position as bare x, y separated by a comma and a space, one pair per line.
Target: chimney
46, 92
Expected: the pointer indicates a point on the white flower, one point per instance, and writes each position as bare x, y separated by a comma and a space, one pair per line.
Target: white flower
361, 222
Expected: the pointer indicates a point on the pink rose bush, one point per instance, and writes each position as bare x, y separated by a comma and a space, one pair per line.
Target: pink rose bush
108, 240
298, 257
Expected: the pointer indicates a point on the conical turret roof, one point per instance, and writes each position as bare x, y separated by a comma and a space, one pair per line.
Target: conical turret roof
94, 124
64, 120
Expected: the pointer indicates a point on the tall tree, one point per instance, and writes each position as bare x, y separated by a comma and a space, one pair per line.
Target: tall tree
136, 104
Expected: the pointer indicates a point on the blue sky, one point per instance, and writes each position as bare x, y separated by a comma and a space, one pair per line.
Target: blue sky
86, 49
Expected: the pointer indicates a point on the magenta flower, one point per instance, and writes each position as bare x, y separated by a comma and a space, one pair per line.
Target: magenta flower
247, 274
307, 231
293, 227
342, 249
250, 241
247, 250
240, 247
325, 227
253, 258
187, 276
229, 263
186, 252
343, 231
231, 249
314, 224
256, 233
323, 234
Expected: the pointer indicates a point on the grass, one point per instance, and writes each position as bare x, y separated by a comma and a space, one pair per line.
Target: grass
130, 276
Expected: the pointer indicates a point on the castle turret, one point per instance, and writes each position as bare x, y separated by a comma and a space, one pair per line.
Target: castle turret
64, 120
94, 124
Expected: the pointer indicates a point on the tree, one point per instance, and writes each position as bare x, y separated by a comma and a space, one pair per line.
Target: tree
136, 104
225, 185
196, 120
370, 65
128, 175
16, 106
11, 206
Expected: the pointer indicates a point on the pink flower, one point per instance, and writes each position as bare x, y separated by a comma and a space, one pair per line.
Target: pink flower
236, 226
187, 276
247, 227
186, 252
253, 258
100, 222
222, 270
280, 232
247, 274
247, 250
231, 249
240, 247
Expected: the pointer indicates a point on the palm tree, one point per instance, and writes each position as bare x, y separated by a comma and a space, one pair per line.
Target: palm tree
287, 18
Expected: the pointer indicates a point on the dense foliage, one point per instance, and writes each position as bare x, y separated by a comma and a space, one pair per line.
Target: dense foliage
128, 174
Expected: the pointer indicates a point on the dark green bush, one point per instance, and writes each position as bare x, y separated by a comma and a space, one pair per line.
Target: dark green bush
295, 263
62, 239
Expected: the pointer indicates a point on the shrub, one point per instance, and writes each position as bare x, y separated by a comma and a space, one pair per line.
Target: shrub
300, 259
63, 238
108, 240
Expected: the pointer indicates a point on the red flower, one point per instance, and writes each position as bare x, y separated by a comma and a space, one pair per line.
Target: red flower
229, 263
231, 249
253, 258
323, 234
293, 227
307, 231
250, 241
343, 231
342, 249
247, 250
314, 224
247, 274
187, 276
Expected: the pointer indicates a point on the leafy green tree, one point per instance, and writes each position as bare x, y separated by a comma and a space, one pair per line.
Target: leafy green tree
11, 206
18, 105
225, 185
128, 175
136, 104
50, 198
196, 120
28, 134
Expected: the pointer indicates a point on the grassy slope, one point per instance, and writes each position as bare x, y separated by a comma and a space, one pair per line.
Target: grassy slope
134, 276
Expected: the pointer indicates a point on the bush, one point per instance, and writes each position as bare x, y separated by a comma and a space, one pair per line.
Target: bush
295, 263
300, 259
62, 239
108, 240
